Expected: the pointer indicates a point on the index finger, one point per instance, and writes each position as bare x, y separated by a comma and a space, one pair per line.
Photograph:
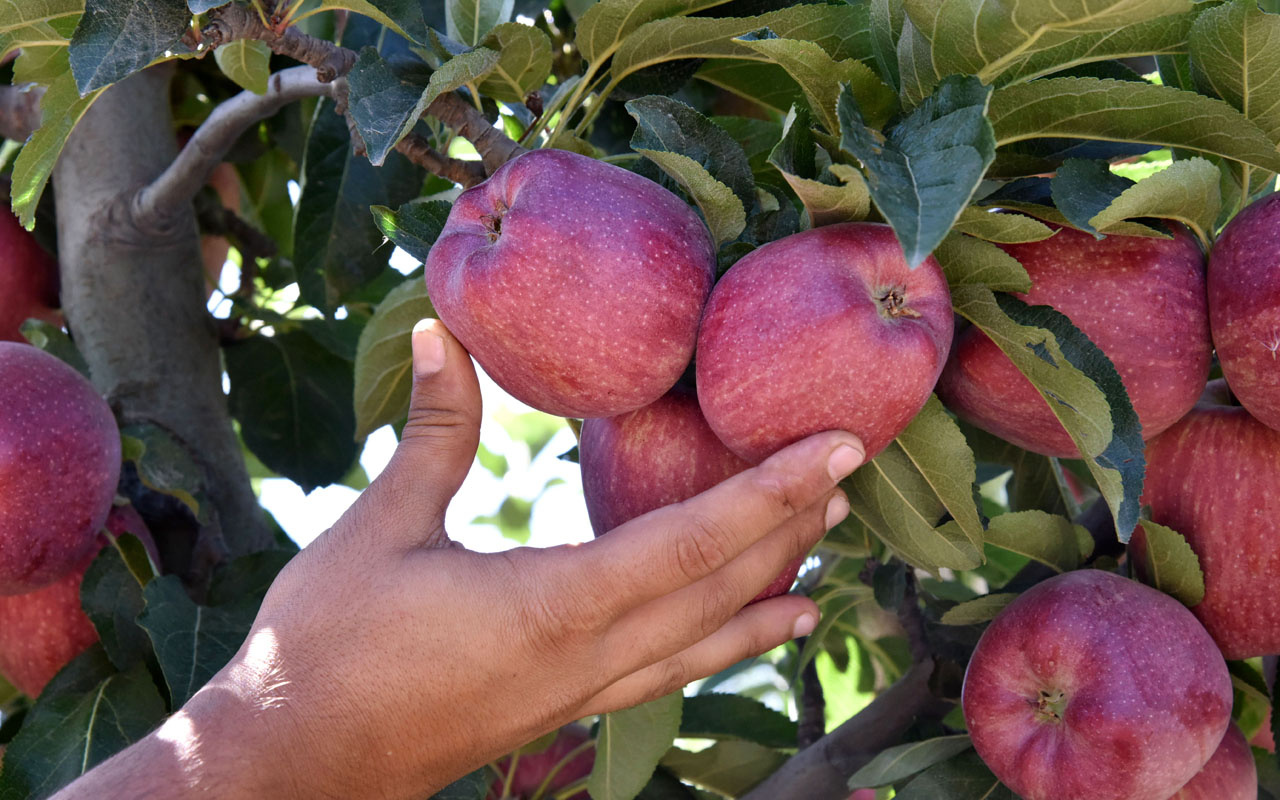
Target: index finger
673, 547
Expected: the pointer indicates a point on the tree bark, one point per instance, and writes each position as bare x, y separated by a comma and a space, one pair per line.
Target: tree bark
135, 300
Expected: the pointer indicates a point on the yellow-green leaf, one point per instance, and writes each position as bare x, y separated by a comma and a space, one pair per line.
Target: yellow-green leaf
384, 357
245, 62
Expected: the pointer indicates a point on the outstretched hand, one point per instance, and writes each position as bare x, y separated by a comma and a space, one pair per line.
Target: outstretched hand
387, 661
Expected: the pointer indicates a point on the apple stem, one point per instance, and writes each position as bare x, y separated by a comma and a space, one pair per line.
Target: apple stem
895, 305
494, 221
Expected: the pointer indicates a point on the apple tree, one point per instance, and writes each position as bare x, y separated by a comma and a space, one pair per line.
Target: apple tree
1076, 172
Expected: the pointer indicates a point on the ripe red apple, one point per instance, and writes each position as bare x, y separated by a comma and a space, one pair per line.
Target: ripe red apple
42, 630
652, 457
28, 280
1214, 477
576, 284
1140, 300
1092, 685
1229, 775
59, 465
532, 769
825, 329
1244, 307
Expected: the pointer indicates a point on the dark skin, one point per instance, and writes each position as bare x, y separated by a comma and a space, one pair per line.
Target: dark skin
387, 661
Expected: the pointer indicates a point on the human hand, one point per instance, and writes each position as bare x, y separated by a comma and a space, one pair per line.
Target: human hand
385, 662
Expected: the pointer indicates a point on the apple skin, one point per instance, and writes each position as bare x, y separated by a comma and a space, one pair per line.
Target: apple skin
1213, 478
1143, 694
661, 454
43, 630
1244, 307
576, 284
28, 280
533, 768
1140, 300
821, 330
1231, 773
59, 466
1264, 738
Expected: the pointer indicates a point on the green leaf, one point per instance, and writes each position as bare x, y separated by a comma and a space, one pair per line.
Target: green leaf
1083, 188
474, 786
111, 597
886, 27
925, 171
247, 577
835, 603
732, 716
54, 341
964, 777
383, 104
284, 390
603, 27
940, 453
1189, 190
524, 62
903, 761
991, 226
765, 84
164, 465
1170, 564
68, 733
724, 213
666, 125
33, 23
1079, 383
245, 61
978, 610
630, 743
384, 357
731, 768
1056, 217
402, 16
1235, 54
468, 21
836, 194
116, 38
1048, 538
967, 261
471, 67
414, 226
191, 642
1128, 111
820, 77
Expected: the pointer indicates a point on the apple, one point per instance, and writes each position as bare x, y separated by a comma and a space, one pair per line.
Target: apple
652, 457
1264, 738
1140, 300
1244, 307
1215, 478
59, 465
1230, 774
576, 284
43, 630
820, 330
28, 280
532, 769
1093, 685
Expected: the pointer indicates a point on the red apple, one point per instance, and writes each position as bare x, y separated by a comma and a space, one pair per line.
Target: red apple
1093, 686
1215, 478
28, 280
532, 769
1140, 300
1244, 307
1264, 738
658, 455
863, 794
42, 630
59, 465
1229, 775
576, 284
825, 329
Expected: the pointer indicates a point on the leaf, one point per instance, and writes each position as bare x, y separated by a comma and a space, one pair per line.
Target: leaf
111, 597
732, 716
836, 194
603, 27
402, 16
116, 38
1056, 217
723, 211
1094, 108
1079, 383
1170, 564
666, 125
201, 6
964, 777
471, 67
191, 642
1235, 54
474, 786
630, 743
969, 261
414, 226
764, 84
247, 577
903, 761
1047, 538
1083, 188
469, 20
939, 451
383, 105
68, 733
978, 610
32, 23
245, 61
524, 62
988, 225
835, 603
164, 465
54, 341
886, 27
284, 389
1189, 190
925, 171
384, 357
732, 768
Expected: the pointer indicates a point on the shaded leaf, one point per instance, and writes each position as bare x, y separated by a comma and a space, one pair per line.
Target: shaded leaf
969, 261
766, 84
116, 38
402, 16
723, 211
468, 21
1048, 538
474, 786
732, 716
629, 745
383, 104
603, 27
413, 227
731, 768
247, 577
964, 777
1083, 188
1235, 54
837, 193
164, 465
245, 61
985, 224
666, 125
111, 597
903, 761
524, 62
978, 610
384, 357
940, 453
471, 67
1171, 565
1188, 190
54, 341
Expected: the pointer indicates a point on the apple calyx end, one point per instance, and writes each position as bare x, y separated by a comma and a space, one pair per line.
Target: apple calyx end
1050, 705
493, 222
893, 304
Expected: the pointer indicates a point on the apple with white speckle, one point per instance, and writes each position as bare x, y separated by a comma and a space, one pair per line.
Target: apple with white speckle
1230, 774
576, 284
28, 280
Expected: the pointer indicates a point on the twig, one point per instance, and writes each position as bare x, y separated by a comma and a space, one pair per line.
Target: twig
813, 705
19, 111
912, 620
494, 147
232, 22
418, 150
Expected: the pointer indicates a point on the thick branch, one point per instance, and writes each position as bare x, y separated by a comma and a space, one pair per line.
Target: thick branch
233, 21
418, 150
813, 705
820, 772
19, 111
494, 147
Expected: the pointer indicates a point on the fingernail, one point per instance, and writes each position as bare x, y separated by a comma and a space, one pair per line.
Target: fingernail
428, 349
805, 624
843, 461
837, 510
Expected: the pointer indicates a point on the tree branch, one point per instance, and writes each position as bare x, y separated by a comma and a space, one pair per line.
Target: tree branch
494, 147
232, 22
418, 150
19, 111
813, 705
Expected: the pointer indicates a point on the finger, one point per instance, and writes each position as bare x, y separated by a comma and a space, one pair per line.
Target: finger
676, 546
438, 443
673, 622
755, 629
